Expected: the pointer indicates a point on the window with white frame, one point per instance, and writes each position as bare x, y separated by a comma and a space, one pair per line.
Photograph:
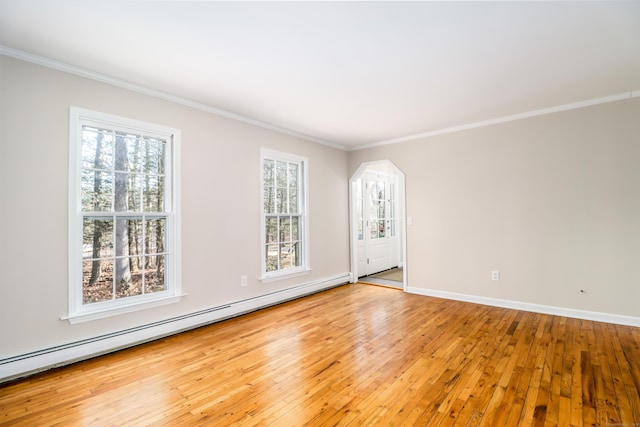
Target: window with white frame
284, 217
123, 215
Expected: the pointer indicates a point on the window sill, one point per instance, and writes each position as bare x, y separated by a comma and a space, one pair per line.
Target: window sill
115, 311
283, 276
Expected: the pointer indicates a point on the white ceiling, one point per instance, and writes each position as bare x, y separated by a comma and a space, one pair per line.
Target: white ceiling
351, 74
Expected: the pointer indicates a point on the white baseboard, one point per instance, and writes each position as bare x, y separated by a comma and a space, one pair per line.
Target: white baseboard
536, 308
29, 363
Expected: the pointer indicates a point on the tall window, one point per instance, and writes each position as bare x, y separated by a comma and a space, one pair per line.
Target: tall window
123, 213
284, 214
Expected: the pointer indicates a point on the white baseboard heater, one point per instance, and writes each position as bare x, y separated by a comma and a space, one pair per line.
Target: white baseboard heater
36, 361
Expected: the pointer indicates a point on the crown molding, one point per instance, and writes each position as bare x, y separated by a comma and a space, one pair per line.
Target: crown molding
78, 71
505, 119
71, 69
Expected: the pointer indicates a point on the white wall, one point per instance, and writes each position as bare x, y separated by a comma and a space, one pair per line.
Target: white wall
552, 202
220, 205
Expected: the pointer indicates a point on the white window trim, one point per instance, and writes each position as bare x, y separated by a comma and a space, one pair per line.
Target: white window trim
305, 268
77, 311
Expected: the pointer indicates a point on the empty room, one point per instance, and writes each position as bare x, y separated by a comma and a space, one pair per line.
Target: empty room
319, 213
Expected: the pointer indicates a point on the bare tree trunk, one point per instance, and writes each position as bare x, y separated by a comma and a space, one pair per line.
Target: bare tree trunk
122, 275
97, 229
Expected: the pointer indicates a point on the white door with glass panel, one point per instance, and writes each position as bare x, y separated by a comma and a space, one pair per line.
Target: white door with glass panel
377, 223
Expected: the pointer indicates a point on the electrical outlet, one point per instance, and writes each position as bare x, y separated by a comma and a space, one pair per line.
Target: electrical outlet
495, 276
243, 280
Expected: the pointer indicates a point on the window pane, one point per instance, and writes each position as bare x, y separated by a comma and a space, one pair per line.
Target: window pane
101, 288
381, 195
97, 149
134, 193
269, 199
373, 189
97, 240
155, 236
286, 255
133, 286
293, 175
293, 202
121, 153
154, 150
154, 278
381, 210
374, 229
285, 229
296, 233
282, 200
154, 200
281, 174
373, 210
121, 192
290, 255
272, 257
96, 191
126, 235
268, 171
271, 229
297, 251
135, 236
134, 153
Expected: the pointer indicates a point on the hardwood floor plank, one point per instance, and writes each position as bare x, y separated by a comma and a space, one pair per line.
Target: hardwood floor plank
378, 357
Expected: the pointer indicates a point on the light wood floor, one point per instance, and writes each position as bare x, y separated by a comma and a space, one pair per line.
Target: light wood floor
354, 355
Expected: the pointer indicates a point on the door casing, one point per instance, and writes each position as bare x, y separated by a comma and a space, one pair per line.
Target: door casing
387, 168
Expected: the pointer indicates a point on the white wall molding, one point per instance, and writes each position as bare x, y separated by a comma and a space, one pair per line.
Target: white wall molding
78, 71
535, 308
20, 365
102, 78
505, 119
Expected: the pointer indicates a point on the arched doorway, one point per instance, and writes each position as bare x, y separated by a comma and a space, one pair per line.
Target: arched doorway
377, 220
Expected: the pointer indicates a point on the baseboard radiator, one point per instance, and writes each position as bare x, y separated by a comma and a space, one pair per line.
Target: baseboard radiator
22, 365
